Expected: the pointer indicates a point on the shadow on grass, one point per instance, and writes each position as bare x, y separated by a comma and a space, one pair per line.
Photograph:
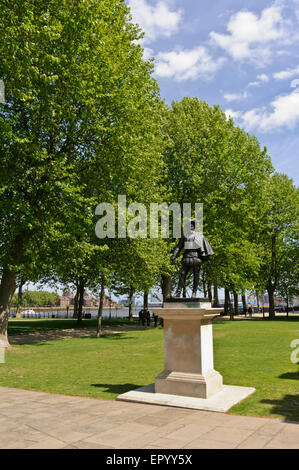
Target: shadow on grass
221, 320
110, 336
40, 338
27, 325
290, 376
288, 407
117, 388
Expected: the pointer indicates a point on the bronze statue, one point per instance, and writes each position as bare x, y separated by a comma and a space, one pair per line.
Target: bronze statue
197, 251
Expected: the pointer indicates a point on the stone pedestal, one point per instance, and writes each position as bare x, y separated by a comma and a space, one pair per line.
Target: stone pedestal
189, 379
188, 349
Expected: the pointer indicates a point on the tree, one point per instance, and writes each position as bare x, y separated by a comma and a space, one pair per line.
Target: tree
279, 238
37, 299
81, 111
209, 160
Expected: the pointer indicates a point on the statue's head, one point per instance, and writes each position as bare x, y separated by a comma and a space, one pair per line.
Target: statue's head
192, 224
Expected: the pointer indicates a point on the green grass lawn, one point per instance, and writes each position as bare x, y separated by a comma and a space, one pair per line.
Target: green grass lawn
246, 352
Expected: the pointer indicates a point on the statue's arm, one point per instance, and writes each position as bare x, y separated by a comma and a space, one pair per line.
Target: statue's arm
178, 249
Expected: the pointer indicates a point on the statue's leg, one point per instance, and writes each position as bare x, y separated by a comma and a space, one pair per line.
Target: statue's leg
196, 271
182, 280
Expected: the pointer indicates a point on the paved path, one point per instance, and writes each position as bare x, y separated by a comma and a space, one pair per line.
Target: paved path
35, 420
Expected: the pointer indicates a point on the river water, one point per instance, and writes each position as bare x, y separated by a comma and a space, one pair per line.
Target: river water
35, 312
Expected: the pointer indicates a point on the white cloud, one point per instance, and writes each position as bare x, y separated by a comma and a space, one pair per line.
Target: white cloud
147, 53
187, 64
286, 74
235, 96
249, 36
233, 114
262, 78
156, 20
284, 112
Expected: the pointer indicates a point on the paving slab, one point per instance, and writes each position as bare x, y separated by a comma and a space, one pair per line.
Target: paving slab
89, 423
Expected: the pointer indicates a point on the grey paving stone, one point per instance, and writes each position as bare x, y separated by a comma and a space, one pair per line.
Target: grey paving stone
34, 420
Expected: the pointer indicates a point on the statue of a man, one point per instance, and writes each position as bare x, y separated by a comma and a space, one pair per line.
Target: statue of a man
197, 251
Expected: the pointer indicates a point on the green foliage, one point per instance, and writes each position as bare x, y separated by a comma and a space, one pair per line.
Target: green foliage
81, 125
278, 236
211, 161
36, 299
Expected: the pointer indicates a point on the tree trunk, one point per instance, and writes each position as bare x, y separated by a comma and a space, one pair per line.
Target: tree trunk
184, 292
226, 302
145, 301
236, 300
20, 298
7, 289
166, 287
76, 302
80, 304
244, 303
287, 305
271, 302
210, 292
131, 303
257, 294
100, 310
204, 285
230, 307
216, 298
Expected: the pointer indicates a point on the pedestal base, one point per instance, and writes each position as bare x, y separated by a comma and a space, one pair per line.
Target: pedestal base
189, 385
221, 401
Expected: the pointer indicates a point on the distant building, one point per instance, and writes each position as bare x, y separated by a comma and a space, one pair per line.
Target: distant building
67, 299
295, 301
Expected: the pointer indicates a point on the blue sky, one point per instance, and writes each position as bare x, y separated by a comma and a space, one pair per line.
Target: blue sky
244, 58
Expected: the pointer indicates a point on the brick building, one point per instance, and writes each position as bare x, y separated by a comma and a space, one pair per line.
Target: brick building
89, 300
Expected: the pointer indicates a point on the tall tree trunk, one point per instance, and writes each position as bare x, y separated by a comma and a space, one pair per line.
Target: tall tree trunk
204, 285
210, 292
80, 304
76, 301
244, 302
20, 298
236, 300
7, 289
215, 296
270, 290
100, 310
145, 301
184, 292
257, 294
166, 286
226, 302
131, 303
